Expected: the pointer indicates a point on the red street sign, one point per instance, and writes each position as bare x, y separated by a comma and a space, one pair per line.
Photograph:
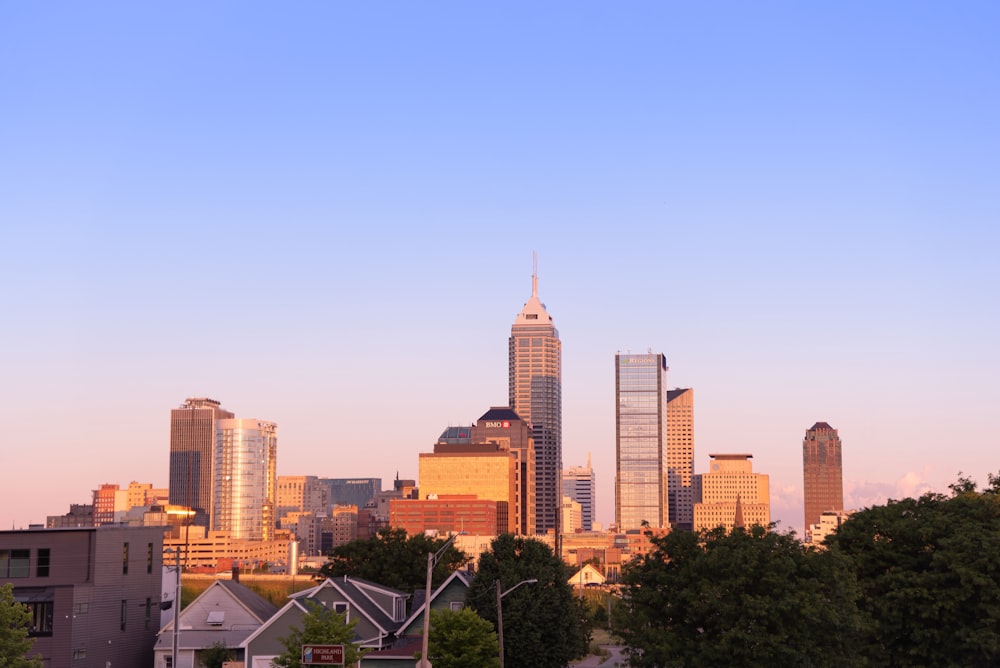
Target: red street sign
323, 655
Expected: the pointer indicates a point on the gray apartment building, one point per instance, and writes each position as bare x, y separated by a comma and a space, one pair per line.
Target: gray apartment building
93, 592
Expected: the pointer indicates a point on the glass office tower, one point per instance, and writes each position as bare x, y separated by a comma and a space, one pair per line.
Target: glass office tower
640, 440
246, 478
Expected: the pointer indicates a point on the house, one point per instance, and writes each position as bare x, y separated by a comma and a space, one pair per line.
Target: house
227, 612
587, 576
93, 592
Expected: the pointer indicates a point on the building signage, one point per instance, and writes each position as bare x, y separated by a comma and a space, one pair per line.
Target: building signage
322, 655
497, 424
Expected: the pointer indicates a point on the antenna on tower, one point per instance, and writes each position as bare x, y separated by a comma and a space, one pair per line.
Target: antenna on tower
534, 273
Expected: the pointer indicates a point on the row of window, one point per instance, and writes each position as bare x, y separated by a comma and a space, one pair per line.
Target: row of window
17, 563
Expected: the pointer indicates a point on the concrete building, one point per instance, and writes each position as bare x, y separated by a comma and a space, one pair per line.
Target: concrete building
579, 484
352, 491
219, 550
445, 514
680, 457
79, 515
822, 472
192, 454
243, 499
535, 381
301, 494
572, 516
641, 441
728, 487
829, 524
93, 593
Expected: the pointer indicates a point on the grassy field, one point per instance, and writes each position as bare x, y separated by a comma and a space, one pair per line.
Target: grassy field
273, 588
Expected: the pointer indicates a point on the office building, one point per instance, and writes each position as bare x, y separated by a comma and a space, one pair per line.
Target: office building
245, 478
822, 472
580, 485
352, 491
640, 441
302, 494
680, 457
192, 454
535, 377
731, 494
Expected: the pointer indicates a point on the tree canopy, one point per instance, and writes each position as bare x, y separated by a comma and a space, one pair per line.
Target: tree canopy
462, 639
544, 626
15, 620
751, 597
929, 572
393, 559
320, 626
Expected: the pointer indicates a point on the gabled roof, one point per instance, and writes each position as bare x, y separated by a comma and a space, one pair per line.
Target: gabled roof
257, 605
359, 594
462, 576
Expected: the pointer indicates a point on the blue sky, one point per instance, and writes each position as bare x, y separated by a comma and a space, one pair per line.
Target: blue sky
324, 215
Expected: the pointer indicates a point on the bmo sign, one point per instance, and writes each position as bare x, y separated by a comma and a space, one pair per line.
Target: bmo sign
497, 424
322, 655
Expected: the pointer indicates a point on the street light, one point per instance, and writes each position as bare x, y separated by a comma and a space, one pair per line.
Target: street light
432, 560
500, 611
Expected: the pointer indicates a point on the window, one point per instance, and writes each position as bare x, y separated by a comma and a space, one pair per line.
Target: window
149, 612
42, 566
81, 608
457, 605
41, 618
340, 608
124, 613
14, 563
124, 558
149, 558
80, 653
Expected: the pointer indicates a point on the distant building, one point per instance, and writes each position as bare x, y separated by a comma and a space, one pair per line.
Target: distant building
731, 494
535, 382
680, 457
463, 513
192, 454
822, 472
579, 484
93, 593
641, 441
352, 491
829, 523
110, 504
302, 494
79, 515
572, 516
243, 499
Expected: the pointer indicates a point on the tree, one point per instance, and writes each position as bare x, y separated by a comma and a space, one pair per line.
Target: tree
393, 559
929, 572
462, 639
216, 655
544, 626
747, 598
320, 626
15, 621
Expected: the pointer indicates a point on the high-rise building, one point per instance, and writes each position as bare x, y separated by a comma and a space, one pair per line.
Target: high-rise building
680, 457
352, 491
823, 473
535, 377
580, 486
640, 441
192, 454
731, 494
301, 494
245, 490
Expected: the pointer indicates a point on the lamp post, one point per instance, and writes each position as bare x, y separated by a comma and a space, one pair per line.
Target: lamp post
432, 560
500, 611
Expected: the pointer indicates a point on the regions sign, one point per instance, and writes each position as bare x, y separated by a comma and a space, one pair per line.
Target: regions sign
323, 655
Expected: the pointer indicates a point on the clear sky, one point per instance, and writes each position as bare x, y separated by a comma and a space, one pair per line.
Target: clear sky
323, 214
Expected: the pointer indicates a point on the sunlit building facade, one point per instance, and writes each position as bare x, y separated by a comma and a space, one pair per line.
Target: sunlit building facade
580, 485
245, 478
680, 457
640, 441
731, 494
192, 455
822, 472
535, 377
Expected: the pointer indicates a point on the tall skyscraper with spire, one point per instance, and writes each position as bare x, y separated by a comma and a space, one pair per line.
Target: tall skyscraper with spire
535, 356
822, 472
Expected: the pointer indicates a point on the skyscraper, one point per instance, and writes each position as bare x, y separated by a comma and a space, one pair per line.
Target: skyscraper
535, 356
680, 457
823, 473
579, 485
246, 478
731, 494
192, 454
640, 441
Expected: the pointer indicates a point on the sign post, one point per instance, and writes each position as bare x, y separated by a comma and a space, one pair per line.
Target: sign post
322, 655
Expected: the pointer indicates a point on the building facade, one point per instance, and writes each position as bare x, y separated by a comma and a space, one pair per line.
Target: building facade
680, 457
731, 494
192, 454
640, 441
246, 478
535, 382
822, 472
580, 485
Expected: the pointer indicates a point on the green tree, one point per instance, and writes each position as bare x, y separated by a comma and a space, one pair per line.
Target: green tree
929, 572
544, 626
320, 626
747, 598
216, 655
393, 559
15, 620
462, 639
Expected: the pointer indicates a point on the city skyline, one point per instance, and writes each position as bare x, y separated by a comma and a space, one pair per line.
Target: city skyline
794, 203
